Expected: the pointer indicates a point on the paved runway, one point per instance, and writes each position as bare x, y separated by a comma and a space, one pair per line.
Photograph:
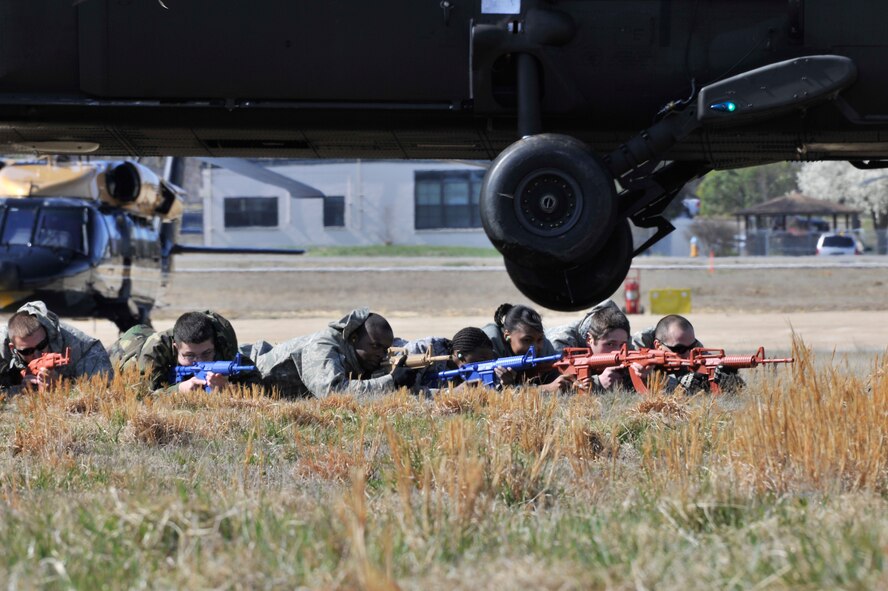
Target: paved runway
739, 304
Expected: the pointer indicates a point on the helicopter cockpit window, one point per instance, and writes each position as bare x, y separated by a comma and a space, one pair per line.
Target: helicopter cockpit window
60, 227
18, 225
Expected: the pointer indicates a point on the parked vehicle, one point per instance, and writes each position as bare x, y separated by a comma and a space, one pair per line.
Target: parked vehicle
837, 244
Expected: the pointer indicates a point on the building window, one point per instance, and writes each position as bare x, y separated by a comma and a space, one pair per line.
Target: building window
249, 212
447, 199
192, 222
334, 211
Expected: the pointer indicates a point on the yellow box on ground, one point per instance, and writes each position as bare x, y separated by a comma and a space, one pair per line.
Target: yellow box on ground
670, 301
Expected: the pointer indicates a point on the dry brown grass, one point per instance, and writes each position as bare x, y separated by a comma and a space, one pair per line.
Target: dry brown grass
824, 429
302, 415
43, 427
400, 402
339, 402
364, 574
468, 398
319, 460
155, 428
329, 464
665, 407
615, 490
45, 435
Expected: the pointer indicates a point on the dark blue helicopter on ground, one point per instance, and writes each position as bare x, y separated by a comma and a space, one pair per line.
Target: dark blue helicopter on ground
90, 238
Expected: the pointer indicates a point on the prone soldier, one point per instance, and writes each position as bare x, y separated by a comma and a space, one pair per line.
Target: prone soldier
196, 336
672, 333
676, 334
468, 345
427, 356
576, 333
607, 331
342, 358
34, 331
514, 331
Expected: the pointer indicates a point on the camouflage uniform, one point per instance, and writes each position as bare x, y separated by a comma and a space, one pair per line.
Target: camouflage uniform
152, 352
321, 364
574, 334
129, 345
88, 356
256, 350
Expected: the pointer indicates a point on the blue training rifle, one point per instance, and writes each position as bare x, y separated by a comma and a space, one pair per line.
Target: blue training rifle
485, 371
200, 369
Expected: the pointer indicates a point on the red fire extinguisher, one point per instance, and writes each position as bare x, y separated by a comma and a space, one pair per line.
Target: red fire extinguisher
632, 291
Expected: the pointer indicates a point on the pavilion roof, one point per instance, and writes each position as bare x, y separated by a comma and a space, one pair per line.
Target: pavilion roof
795, 203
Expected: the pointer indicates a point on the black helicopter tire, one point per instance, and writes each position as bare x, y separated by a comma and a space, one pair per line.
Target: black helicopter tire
581, 286
548, 200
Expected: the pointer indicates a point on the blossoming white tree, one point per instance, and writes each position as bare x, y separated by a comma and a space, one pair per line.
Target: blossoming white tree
866, 190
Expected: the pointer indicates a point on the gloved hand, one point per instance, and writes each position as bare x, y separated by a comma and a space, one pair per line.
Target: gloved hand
401, 375
693, 382
728, 379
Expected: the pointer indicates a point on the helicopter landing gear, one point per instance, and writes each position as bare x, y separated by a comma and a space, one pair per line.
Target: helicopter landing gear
583, 285
550, 206
145, 314
548, 201
126, 314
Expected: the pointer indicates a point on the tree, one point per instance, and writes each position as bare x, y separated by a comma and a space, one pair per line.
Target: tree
723, 192
716, 235
866, 190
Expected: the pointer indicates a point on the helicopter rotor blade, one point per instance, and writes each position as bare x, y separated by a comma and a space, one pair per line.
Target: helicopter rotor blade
254, 171
189, 249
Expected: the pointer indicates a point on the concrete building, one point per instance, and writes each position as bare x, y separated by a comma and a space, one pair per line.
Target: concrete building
363, 202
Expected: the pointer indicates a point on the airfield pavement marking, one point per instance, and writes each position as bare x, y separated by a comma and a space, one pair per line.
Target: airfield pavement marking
702, 266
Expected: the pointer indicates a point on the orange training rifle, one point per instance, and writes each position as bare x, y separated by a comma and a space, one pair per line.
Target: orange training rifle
707, 361
47, 361
582, 363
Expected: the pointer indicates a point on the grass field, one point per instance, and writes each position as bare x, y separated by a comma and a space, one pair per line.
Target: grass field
780, 487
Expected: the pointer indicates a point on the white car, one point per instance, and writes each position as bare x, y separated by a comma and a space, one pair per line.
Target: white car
837, 244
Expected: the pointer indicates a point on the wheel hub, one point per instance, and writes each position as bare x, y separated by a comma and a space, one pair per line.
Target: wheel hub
548, 202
